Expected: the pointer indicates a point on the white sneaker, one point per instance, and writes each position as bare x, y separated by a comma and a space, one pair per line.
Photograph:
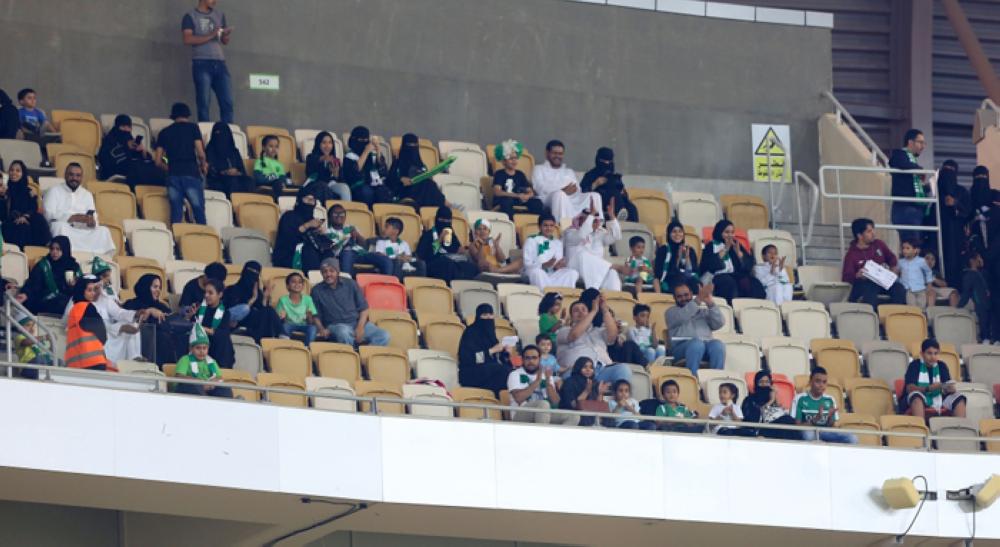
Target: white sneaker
407, 267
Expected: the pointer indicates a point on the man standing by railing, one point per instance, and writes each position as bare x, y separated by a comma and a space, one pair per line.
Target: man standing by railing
909, 186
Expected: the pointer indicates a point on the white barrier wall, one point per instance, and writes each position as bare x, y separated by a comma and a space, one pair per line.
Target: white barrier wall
156, 437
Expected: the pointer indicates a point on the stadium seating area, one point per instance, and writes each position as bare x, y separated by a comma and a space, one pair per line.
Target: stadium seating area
866, 352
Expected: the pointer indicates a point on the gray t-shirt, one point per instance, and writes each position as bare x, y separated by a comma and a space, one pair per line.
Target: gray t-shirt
340, 305
204, 24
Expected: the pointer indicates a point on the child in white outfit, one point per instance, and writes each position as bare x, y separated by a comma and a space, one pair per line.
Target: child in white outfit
772, 274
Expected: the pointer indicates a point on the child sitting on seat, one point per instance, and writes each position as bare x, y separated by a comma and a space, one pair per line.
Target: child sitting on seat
644, 336
297, 310
268, 171
199, 364
398, 251
772, 274
638, 268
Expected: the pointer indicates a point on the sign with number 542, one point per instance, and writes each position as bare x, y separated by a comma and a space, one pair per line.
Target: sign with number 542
269, 82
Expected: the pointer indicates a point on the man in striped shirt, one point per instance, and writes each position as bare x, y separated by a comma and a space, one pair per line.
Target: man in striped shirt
814, 407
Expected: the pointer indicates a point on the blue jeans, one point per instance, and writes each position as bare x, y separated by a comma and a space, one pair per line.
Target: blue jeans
192, 188
695, 349
343, 333
349, 258
909, 214
831, 437
614, 372
211, 75
308, 330
238, 313
653, 354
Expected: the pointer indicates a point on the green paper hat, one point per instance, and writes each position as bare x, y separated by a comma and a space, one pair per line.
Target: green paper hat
99, 266
508, 148
482, 222
198, 336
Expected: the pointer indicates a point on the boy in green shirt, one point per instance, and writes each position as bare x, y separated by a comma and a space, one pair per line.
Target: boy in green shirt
814, 407
27, 351
297, 310
198, 364
674, 408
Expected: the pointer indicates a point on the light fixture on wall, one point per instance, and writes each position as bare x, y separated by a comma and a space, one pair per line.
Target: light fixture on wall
902, 494
982, 495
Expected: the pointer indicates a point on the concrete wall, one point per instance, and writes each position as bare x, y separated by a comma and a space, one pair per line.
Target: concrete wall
674, 94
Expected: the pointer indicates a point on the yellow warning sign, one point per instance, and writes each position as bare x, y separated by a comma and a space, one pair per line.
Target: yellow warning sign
770, 154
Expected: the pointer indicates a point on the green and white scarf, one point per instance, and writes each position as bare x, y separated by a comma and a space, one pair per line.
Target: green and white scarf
918, 187
926, 377
216, 318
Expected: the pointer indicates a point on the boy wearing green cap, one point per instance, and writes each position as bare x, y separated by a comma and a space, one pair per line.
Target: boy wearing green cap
102, 270
29, 352
198, 364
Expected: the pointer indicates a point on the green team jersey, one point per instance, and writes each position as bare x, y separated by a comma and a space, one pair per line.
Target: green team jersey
189, 367
674, 411
804, 407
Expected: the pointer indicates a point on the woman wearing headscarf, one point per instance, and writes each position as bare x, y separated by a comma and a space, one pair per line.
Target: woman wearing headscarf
581, 385
85, 332
213, 316
364, 169
10, 121
761, 406
409, 165
675, 262
121, 155
157, 342
120, 324
956, 209
22, 223
441, 251
729, 266
605, 181
248, 307
226, 170
50, 283
323, 170
981, 199
483, 361
302, 242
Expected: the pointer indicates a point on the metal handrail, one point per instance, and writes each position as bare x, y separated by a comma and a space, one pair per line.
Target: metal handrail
44, 375
988, 103
805, 236
840, 197
11, 302
877, 155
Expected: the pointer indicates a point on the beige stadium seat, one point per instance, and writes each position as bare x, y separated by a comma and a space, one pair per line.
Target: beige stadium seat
522, 305
838, 357
886, 360
232, 378
983, 363
470, 294
979, 403
903, 424
687, 382
432, 300
744, 211
27, 151
331, 386
470, 160
849, 420
262, 217
855, 322
990, 427
200, 247
697, 209
53, 149
86, 134
527, 330
460, 190
779, 238
133, 224
157, 244
34, 254
411, 221
620, 302
14, 265
953, 325
711, 386
86, 161
401, 327
960, 428
158, 124
757, 318
387, 358
653, 205
870, 396
630, 230
471, 395
133, 268
156, 207
905, 326
334, 360
437, 366
182, 271
288, 357
786, 356
806, 320
269, 379
430, 393
442, 333
46, 183
249, 356
381, 390
57, 116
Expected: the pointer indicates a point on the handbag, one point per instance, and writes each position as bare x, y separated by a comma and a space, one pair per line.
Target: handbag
319, 241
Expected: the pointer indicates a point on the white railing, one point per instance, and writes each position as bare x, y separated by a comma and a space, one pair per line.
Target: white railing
878, 157
988, 104
12, 306
932, 201
805, 234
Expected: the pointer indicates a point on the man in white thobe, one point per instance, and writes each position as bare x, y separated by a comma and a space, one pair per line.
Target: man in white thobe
71, 212
585, 243
557, 187
544, 263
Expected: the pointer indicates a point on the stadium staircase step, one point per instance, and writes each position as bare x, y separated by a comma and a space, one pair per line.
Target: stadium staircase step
824, 249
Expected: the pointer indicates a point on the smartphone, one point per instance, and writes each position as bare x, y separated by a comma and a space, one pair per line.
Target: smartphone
90, 213
138, 140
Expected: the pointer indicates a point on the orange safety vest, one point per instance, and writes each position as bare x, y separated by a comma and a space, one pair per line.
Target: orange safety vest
83, 348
